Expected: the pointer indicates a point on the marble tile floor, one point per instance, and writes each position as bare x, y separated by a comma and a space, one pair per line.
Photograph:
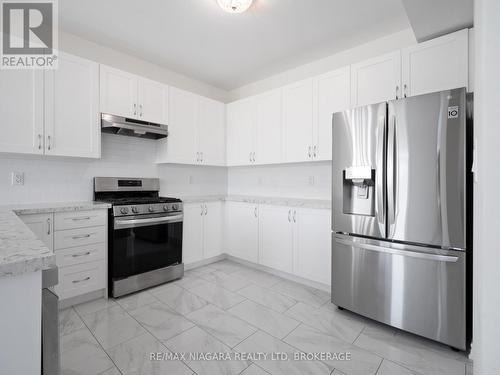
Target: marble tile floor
231, 309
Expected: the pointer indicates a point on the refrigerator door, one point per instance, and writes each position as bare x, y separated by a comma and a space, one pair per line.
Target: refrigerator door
358, 171
414, 288
426, 169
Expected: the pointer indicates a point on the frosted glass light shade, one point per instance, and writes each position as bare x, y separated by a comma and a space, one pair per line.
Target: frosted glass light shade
234, 6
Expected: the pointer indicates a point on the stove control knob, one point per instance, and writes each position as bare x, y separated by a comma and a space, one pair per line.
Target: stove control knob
135, 210
124, 210
151, 209
175, 207
166, 208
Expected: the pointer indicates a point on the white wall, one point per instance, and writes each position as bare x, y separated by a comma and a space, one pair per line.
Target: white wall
362, 52
81, 47
303, 180
487, 199
51, 179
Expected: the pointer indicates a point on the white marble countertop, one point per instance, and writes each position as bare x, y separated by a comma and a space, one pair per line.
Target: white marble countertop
278, 201
20, 250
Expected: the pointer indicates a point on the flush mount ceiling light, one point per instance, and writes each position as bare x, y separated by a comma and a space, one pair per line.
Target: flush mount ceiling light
234, 6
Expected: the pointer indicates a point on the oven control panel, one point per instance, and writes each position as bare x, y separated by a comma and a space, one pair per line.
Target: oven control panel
142, 209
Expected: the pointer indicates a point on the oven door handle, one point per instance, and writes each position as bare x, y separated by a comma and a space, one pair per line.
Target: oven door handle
132, 223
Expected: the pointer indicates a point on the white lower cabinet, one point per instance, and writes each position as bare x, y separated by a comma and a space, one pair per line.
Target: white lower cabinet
312, 244
276, 237
242, 230
288, 239
79, 241
201, 237
42, 225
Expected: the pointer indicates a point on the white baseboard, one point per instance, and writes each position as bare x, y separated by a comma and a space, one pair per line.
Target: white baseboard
204, 262
285, 275
65, 303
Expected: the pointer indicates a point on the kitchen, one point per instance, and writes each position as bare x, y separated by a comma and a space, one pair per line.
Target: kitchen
118, 154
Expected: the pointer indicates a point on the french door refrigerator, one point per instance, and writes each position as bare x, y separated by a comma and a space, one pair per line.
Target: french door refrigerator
399, 214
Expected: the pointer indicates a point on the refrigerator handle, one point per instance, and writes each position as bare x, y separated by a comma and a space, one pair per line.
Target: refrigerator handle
391, 172
379, 174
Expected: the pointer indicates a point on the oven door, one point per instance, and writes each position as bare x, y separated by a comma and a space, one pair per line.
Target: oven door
145, 243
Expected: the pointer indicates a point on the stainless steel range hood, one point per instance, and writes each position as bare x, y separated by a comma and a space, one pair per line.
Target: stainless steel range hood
131, 127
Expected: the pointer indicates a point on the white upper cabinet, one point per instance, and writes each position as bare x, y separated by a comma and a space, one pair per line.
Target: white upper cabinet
298, 120
118, 92
376, 80
128, 95
211, 127
21, 109
268, 145
196, 130
240, 132
180, 145
332, 93
72, 126
242, 230
435, 65
152, 101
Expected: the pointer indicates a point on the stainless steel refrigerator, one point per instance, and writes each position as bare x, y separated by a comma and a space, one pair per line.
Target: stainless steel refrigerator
399, 220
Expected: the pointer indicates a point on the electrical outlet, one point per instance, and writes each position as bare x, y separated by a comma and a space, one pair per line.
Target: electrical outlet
190, 180
17, 178
311, 180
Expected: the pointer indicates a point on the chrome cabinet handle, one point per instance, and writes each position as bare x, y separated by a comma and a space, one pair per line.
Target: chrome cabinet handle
250, 157
294, 216
405, 90
81, 236
140, 110
48, 226
255, 211
309, 152
315, 150
397, 92
81, 254
39, 141
201, 213
135, 109
49, 143
201, 157
289, 216
206, 210
197, 157
80, 218
81, 280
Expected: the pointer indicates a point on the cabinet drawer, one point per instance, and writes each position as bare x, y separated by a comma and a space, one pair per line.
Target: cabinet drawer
80, 219
81, 254
81, 279
79, 237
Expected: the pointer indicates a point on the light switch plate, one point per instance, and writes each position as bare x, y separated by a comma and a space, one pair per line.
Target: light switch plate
17, 178
311, 180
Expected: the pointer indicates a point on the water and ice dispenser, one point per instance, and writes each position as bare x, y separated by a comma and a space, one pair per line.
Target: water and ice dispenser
359, 190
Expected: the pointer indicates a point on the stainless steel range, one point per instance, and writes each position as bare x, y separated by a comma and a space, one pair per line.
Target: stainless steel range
145, 234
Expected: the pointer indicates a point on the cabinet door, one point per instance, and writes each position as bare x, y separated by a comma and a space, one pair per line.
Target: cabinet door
312, 255
269, 128
240, 130
332, 93
118, 92
212, 226
376, 80
211, 132
42, 225
72, 126
436, 65
276, 237
242, 231
152, 101
180, 145
192, 233
21, 106
298, 118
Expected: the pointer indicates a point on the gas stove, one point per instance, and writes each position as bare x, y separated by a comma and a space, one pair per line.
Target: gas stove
145, 233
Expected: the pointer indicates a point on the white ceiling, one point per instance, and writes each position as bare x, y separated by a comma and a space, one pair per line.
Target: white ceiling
196, 38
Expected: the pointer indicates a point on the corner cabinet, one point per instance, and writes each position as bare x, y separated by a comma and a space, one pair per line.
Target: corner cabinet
196, 131
52, 112
202, 231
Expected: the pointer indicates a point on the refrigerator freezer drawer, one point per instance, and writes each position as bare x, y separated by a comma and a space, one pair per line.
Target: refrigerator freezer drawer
416, 289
